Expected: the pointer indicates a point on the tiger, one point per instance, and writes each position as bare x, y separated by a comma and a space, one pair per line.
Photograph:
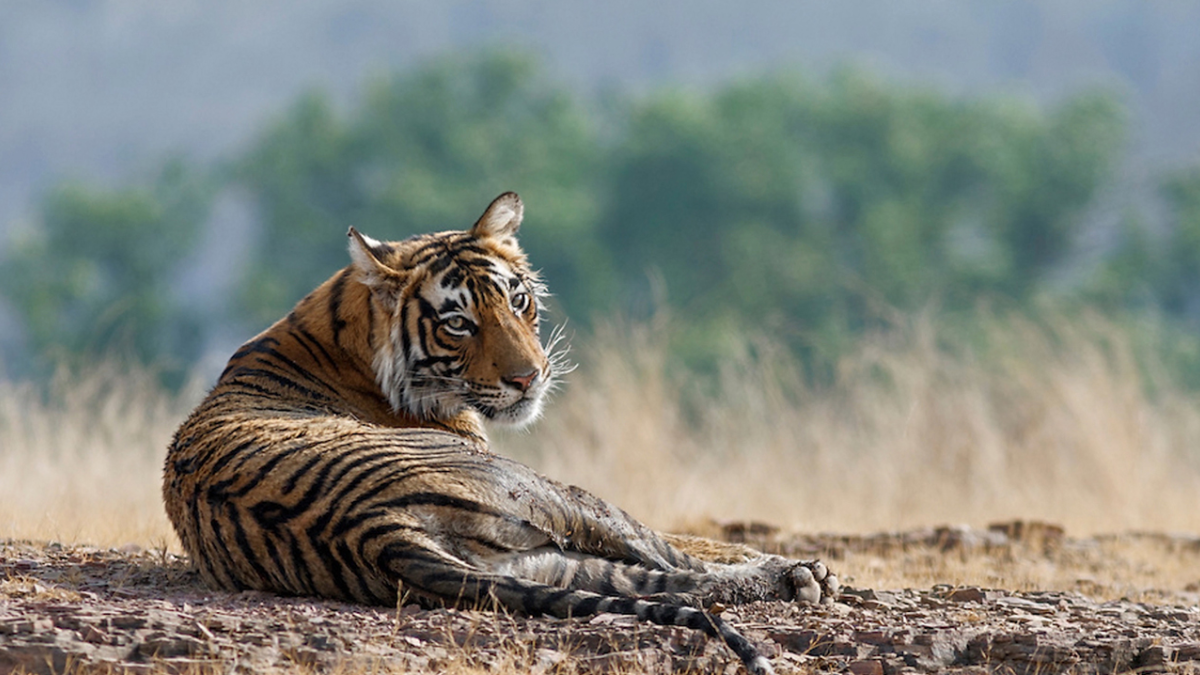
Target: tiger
342, 454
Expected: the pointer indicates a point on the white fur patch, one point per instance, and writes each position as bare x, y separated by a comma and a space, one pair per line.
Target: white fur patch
502, 218
368, 266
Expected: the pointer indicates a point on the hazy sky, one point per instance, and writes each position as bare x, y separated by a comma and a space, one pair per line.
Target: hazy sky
102, 90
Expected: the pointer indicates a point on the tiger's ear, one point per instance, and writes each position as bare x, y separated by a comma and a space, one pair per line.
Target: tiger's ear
368, 257
501, 219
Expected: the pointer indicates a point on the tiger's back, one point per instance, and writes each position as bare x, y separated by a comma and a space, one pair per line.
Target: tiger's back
316, 506
342, 454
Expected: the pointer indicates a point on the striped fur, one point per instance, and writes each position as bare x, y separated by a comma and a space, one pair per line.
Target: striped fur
342, 454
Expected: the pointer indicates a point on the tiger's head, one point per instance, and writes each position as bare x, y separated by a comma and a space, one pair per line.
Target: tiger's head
457, 320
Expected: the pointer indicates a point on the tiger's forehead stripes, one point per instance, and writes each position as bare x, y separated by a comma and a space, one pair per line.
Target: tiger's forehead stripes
436, 252
449, 305
462, 288
458, 259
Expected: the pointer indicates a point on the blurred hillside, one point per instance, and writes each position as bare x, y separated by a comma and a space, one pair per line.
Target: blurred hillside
96, 89
173, 177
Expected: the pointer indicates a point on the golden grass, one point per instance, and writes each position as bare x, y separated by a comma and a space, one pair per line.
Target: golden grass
1053, 425
81, 459
1138, 569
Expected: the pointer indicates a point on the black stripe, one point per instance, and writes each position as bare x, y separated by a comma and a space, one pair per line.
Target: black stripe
204, 560
492, 544
299, 473
243, 389
269, 515
438, 499
335, 304
227, 457
304, 337
382, 530
607, 587
281, 455
352, 574
452, 278
314, 490
335, 499
277, 379
548, 603
332, 568
405, 342
254, 346
243, 543
440, 263
370, 326
300, 566
407, 552
279, 358
349, 522
280, 572
363, 453
223, 555
659, 584
586, 606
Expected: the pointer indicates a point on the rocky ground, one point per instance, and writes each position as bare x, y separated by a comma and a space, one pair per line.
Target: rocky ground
80, 609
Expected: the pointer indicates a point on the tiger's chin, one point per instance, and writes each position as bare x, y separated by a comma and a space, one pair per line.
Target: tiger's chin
445, 404
520, 414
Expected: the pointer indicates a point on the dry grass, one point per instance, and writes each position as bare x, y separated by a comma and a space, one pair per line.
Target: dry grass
81, 459
1054, 426
1143, 570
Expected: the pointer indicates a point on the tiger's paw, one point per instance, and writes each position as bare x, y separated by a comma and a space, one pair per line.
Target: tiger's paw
812, 582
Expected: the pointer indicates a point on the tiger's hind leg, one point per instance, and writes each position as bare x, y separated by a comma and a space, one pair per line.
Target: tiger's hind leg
598, 528
765, 577
434, 575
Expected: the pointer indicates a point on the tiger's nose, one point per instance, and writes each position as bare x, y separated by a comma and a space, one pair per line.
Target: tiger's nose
523, 381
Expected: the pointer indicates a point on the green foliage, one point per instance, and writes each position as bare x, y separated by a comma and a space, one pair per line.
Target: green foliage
424, 152
1176, 275
97, 275
1151, 269
809, 211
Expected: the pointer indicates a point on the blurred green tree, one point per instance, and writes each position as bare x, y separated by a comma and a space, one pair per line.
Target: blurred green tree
811, 211
1176, 280
425, 151
95, 276
1152, 269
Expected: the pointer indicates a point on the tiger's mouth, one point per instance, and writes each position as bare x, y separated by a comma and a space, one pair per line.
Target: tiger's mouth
520, 412
444, 396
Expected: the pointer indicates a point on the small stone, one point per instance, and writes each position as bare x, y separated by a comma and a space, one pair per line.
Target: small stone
93, 634
170, 646
1188, 652
867, 667
971, 594
873, 637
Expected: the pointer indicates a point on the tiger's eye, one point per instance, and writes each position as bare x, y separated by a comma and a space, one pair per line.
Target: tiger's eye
520, 302
458, 325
